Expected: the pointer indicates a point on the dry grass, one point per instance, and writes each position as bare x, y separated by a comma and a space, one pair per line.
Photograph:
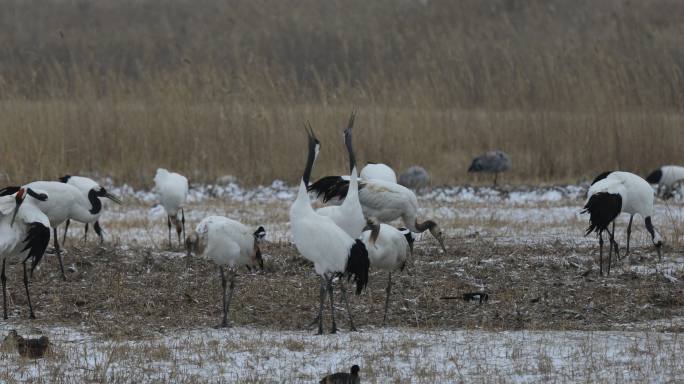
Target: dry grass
208, 88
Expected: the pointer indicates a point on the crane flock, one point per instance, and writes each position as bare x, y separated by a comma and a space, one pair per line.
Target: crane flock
343, 240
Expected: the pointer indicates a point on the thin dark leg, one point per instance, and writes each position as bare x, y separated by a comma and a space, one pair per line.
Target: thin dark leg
98, 230
224, 322
85, 235
601, 253
321, 305
3, 278
28, 295
332, 304
629, 233
168, 221
183, 222
389, 289
614, 245
66, 229
231, 289
343, 289
59, 253
496, 174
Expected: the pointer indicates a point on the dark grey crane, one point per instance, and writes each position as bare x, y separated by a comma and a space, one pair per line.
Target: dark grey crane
491, 162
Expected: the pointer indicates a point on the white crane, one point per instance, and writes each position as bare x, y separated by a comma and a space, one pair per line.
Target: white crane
94, 192
321, 241
381, 200
667, 177
172, 190
612, 193
24, 230
388, 249
378, 171
348, 215
66, 202
228, 244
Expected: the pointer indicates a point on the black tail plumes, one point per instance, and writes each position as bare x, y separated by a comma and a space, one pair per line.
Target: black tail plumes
330, 187
603, 208
36, 241
9, 191
357, 265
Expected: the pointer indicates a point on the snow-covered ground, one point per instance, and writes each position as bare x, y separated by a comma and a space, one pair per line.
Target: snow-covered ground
384, 355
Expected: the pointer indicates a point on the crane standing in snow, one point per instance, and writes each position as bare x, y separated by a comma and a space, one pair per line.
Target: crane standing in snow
94, 192
172, 190
23, 227
667, 177
613, 193
228, 244
321, 241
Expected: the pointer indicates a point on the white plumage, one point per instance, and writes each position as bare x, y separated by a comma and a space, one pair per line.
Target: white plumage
378, 171
24, 232
172, 191
89, 187
348, 215
612, 193
388, 250
227, 243
321, 241
667, 177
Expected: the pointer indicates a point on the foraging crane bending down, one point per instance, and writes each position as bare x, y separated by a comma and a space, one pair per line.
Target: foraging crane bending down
388, 249
321, 241
380, 200
172, 190
94, 192
491, 162
667, 177
378, 171
23, 227
227, 243
65, 202
348, 215
415, 178
612, 193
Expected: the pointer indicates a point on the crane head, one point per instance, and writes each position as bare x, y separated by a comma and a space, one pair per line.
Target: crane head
19, 200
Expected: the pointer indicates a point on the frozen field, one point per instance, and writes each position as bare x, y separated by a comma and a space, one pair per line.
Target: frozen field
132, 312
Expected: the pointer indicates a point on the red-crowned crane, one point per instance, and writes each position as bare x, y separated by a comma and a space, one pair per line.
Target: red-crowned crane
615, 192
329, 247
667, 177
24, 232
378, 171
172, 190
228, 244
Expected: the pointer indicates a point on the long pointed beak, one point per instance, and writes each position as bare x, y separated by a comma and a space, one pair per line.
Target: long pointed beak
441, 244
14, 213
113, 198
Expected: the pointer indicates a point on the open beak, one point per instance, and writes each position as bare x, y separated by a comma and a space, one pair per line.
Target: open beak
113, 198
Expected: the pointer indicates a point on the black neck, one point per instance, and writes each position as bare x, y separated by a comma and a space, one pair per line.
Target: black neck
309, 161
95, 202
348, 142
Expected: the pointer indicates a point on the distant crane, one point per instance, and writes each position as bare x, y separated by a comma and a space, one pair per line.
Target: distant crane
343, 377
228, 244
612, 193
172, 190
415, 178
93, 191
388, 249
23, 227
491, 162
348, 215
378, 171
321, 241
667, 177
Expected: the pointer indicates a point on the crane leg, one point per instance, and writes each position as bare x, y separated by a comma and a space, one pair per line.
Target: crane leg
168, 221
601, 253
388, 289
496, 174
231, 289
332, 304
614, 245
224, 322
629, 233
321, 305
66, 229
98, 230
343, 289
183, 222
59, 253
28, 295
85, 235
3, 278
